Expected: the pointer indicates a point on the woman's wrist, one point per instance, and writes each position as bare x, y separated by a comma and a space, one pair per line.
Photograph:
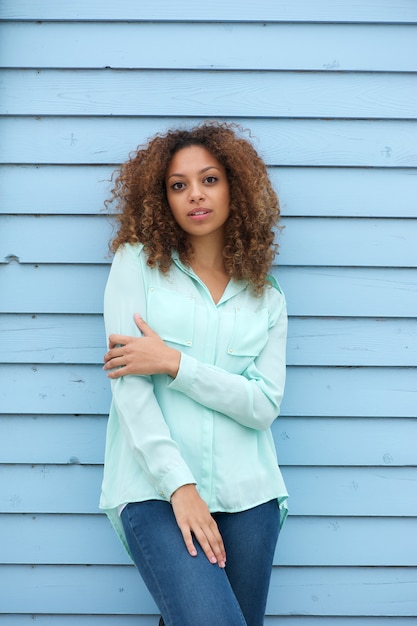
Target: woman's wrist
188, 488
172, 362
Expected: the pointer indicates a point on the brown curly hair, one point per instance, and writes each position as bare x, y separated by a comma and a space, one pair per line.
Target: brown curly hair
143, 214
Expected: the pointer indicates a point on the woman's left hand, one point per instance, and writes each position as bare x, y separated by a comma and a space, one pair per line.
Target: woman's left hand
142, 356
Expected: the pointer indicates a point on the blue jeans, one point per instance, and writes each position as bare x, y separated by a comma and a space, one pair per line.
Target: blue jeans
190, 591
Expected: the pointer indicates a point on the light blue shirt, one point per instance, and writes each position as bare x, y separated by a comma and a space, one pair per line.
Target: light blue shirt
211, 424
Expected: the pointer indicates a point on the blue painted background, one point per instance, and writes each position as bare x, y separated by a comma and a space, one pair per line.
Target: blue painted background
329, 91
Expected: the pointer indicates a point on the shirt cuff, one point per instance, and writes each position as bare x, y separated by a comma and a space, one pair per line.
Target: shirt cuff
186, 375
174, 479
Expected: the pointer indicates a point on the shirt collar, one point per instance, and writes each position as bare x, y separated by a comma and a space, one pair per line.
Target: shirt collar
233, 287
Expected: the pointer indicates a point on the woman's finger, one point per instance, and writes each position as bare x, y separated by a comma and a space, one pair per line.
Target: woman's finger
194, 518
114, 362
145, 329
212, 545
118, 340
188, 540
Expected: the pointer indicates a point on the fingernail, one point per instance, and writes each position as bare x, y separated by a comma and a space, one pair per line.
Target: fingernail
213, 559
222, 564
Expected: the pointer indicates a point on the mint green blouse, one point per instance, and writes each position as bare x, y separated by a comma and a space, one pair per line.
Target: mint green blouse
211, 424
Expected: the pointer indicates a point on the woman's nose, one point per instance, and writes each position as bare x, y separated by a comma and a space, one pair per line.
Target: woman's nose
196, 193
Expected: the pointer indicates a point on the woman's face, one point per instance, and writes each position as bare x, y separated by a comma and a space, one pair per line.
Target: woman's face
198, 192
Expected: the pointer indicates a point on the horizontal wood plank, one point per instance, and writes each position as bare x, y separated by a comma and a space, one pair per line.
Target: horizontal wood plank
312, 441
19, 619
305, 541
315, 291
326, 47
208, 93
153, 620
321, 192
352, 341
77, 440
340, 292
317, 491
84, 389
281, 142
341, 591
345, 191
56, 189
331, 441
306, 591
311, 341
303, 242
28, 288
52, 339
264, 10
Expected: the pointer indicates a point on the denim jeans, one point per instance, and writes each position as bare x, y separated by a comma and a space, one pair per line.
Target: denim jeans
190, 591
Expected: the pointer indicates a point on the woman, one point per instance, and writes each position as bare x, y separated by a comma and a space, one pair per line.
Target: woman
197, 333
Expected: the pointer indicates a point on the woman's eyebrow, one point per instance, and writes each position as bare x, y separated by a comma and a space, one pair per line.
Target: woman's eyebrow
205, 169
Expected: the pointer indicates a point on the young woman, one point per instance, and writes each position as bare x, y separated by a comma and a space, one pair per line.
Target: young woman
197, 333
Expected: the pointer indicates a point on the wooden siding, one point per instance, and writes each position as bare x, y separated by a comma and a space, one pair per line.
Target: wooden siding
329, 92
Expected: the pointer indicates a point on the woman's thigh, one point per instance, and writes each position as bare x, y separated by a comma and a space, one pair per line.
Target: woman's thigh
188, 590
250, 539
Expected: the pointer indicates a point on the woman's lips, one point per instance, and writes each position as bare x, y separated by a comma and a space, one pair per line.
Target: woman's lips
197, 214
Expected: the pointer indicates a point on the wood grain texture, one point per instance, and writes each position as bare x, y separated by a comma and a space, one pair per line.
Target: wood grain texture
315, 191
327, 391
112, 45
264, 11
310, 591
91, 620
281, 142
305, 541
300, 441
314, 291
153, 620
317, 491
68, 339
209, 93
304, 241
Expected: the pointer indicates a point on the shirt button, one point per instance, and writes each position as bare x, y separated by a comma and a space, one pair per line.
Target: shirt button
188, 343
230, 351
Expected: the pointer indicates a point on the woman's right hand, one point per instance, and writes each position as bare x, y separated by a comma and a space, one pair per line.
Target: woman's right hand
194, 518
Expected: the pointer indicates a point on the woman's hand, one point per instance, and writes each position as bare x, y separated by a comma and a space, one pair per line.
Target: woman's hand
144, 355
193, 517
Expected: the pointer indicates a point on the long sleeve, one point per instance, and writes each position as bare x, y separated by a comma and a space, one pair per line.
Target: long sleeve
252, 398
138, 412
208, 425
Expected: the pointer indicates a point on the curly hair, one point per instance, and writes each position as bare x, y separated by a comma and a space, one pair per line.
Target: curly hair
143, 214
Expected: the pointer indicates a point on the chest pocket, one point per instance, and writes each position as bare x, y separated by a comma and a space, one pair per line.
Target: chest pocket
250, 332
171, 315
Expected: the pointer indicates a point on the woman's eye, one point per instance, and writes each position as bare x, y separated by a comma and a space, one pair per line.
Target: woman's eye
211, 179
177, 186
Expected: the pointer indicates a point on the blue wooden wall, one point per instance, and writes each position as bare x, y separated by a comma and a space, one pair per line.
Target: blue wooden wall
329, 91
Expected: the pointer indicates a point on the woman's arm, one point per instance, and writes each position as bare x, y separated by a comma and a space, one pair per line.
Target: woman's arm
141, 419
143, 356
252, 398
138, 411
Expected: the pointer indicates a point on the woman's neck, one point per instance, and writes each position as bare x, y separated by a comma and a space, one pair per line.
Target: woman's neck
208, 264
208, 255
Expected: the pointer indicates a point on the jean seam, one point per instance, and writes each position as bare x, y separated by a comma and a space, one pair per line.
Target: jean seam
147, 561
